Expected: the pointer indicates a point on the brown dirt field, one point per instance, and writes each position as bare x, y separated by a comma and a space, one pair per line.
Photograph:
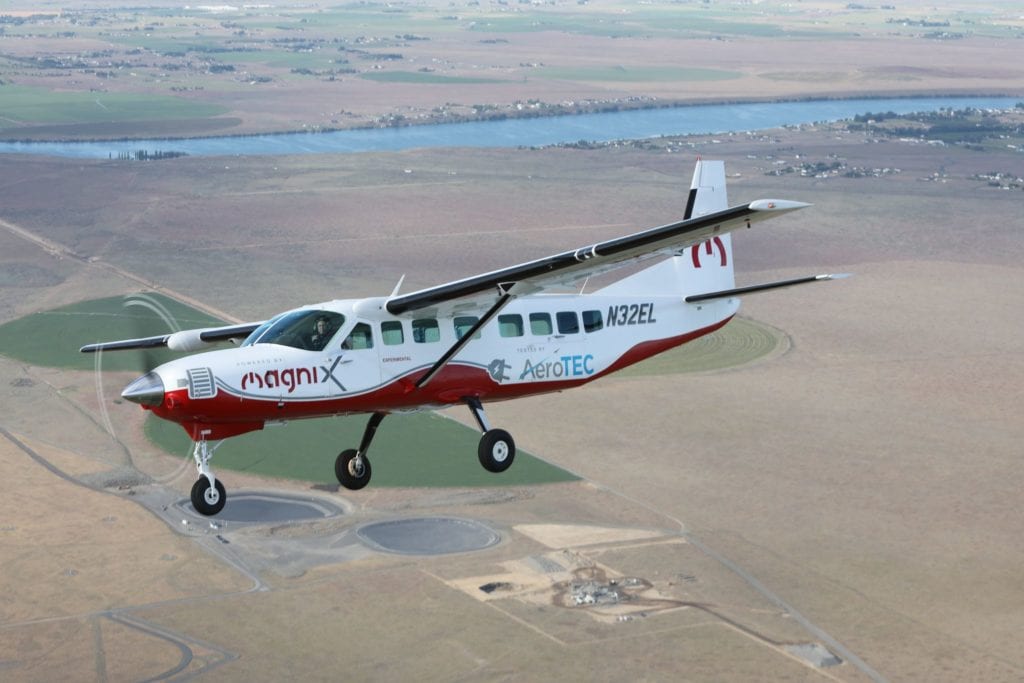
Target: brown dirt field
868, 476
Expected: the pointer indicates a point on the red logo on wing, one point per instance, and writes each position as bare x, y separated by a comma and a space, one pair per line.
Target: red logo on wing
709, 248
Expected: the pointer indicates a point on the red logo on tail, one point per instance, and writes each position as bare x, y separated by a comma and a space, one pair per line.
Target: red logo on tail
709, 249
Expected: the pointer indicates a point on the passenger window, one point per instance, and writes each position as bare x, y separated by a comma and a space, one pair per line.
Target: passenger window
568, 323
463, 324
425, 331
592, 321
392, 333
540, 323
510, 325
361, 337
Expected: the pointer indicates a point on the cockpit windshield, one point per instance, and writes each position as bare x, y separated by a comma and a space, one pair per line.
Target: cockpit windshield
306, 329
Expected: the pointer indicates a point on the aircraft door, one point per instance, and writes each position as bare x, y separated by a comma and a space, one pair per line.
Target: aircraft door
357, 365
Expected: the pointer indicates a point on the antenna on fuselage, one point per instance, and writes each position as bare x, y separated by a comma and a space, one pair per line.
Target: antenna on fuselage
394, 292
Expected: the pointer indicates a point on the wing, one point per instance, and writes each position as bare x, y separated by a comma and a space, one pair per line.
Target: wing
569, 267
185, 340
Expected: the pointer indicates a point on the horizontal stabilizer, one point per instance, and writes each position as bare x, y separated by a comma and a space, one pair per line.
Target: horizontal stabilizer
752, 289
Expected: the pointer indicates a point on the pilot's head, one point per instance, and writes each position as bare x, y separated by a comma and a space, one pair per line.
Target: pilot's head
322, 325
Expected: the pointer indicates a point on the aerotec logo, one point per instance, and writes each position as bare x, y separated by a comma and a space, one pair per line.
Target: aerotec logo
566, 366
497, 369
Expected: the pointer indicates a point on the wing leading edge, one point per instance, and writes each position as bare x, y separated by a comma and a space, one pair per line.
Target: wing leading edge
186, 340
568, 267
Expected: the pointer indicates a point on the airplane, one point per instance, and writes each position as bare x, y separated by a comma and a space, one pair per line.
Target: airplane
518, 331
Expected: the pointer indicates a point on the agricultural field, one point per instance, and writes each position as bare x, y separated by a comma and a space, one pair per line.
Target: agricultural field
828, 488
163, 69
857, 467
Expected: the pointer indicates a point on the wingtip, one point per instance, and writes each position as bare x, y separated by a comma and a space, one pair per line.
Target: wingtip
834, 276
777, 205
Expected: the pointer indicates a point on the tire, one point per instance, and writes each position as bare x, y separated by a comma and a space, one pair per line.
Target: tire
207, 501
346, 477
497, 450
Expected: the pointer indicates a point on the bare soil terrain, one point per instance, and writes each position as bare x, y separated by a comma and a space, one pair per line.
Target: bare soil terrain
858, 491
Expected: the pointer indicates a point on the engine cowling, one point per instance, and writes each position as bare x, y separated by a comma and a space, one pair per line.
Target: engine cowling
187, 340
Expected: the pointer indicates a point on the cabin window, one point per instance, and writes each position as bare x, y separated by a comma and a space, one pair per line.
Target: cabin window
568, 323
426, 331
540, 323
361, 337
392, 333
463, 324
510, 325
592, 321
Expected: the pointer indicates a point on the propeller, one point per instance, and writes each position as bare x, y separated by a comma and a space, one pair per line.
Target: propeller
149, 317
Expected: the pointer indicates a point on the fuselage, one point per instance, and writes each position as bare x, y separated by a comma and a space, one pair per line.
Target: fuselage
351, 356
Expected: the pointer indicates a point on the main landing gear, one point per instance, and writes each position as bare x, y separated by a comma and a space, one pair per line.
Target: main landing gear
208, 495
496, 451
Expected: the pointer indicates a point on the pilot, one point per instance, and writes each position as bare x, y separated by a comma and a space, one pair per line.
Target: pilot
321, 333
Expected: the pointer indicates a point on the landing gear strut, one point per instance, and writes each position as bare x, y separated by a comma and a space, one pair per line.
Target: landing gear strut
497, 450
352, 467
208, 495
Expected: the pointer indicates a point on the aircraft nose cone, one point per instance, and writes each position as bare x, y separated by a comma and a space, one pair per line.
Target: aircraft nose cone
147, 390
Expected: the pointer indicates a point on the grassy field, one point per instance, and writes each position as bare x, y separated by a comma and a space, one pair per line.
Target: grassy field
52, 338
23, 104
741, 341
417, 449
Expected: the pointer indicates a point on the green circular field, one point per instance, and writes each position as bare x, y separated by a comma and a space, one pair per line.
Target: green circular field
740, 342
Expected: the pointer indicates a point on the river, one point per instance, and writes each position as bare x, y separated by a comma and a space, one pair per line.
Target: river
527, 132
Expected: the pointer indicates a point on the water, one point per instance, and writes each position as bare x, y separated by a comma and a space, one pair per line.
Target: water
621, 125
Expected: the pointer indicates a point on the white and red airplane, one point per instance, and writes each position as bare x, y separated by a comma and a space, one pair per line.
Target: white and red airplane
492, 337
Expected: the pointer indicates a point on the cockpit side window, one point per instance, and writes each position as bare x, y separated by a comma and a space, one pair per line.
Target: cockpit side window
307, 329
361, 337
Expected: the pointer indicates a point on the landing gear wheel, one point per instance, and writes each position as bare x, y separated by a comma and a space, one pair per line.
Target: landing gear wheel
352, 473
497, 450
208, 500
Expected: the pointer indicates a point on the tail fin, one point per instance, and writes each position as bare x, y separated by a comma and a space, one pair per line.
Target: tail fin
705, 267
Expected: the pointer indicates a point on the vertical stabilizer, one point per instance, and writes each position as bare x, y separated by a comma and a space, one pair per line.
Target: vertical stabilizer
705, 267
707, 189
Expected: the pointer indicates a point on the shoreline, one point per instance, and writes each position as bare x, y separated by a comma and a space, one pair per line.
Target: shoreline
556, 111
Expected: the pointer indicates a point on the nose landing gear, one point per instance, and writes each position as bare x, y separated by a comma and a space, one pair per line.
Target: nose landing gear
352, 467
208, 494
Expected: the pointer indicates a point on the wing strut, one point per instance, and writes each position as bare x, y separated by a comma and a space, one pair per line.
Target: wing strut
507, 294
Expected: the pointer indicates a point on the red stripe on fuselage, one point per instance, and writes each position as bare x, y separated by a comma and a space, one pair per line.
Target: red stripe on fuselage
228, 414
